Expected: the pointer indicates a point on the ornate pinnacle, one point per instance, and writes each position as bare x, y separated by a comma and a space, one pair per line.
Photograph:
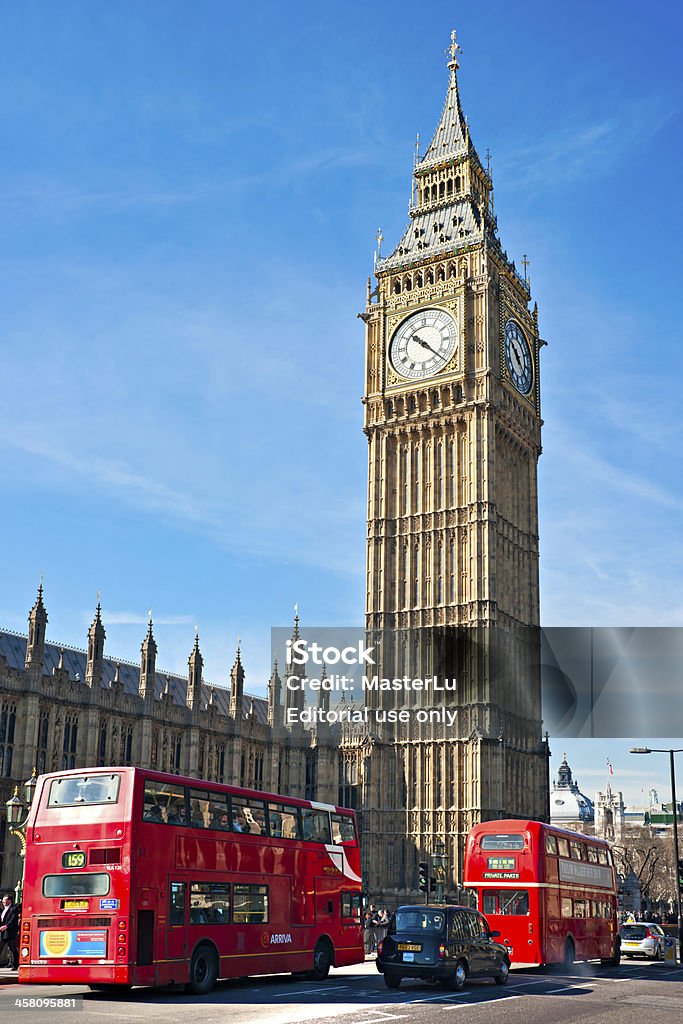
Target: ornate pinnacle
453, 50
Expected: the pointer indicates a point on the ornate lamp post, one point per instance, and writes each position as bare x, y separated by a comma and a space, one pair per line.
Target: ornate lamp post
439, 866
17, 815
674, 806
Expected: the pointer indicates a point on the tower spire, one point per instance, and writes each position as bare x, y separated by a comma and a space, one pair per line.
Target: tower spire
148, 661
37, 623
96, 636
195, 666
237, 684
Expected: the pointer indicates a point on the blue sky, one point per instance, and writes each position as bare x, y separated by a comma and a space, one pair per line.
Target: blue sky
189, 195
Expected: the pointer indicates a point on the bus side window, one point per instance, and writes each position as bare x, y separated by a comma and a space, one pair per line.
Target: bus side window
342, 829
284, 821
176, 910
316, 825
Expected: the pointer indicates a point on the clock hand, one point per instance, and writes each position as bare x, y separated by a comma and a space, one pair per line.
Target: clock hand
425, 344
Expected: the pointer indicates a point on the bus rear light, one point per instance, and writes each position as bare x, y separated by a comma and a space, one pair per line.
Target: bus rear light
121, 950
122, 937
24, 950
122, 926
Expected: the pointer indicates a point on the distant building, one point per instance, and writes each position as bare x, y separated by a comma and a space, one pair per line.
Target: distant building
570, 807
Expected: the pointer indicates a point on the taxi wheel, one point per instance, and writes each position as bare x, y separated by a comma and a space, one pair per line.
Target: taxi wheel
392, 980
502, 977
457, 979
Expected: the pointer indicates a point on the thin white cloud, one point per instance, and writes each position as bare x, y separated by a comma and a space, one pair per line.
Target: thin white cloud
584, 146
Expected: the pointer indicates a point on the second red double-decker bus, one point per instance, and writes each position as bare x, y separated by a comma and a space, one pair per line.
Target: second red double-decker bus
551, 893
135, 877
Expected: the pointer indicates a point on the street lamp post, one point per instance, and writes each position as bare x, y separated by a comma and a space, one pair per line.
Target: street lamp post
439, 863
671, 752
17, 811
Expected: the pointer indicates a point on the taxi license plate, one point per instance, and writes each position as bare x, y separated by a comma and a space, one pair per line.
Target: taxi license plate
627, 943
412, 946
75, 905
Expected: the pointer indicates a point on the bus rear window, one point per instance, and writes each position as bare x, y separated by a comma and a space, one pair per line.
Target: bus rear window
73, 790
88, 884
506, 901
510, 841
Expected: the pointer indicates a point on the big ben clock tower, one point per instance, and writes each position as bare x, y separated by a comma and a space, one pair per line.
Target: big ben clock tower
452, 417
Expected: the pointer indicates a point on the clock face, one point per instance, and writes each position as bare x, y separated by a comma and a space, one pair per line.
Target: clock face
424, 344
518, 357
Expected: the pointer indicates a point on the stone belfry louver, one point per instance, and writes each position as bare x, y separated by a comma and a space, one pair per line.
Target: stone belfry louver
452, 418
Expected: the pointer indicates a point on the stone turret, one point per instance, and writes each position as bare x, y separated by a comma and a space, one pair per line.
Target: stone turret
194, 683
274, 697
236, 685
148, 663
95, 662
35, 648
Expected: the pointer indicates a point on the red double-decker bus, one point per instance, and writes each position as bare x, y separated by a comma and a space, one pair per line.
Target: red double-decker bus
551, 893
136, 877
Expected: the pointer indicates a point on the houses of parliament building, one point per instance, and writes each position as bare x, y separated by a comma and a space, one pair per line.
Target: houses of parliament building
452, 419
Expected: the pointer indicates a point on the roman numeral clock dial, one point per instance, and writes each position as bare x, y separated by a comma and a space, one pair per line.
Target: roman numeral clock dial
518, 357
424, 344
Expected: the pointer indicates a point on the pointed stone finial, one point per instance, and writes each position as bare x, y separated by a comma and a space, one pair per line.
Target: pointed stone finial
453, 50
60, 665
117, 674
380, 239
525, 264
417, 150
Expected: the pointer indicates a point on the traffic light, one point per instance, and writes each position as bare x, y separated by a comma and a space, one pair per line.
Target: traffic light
423, 876
680, 874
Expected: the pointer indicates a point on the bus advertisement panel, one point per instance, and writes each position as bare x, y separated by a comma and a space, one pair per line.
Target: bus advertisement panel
551, 893
136, 877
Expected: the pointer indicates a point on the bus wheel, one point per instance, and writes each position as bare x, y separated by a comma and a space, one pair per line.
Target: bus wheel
322, 960
203, 970
569, 955
392, 980
615, 960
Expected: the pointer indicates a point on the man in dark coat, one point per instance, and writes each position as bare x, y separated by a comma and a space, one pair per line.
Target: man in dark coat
9, 930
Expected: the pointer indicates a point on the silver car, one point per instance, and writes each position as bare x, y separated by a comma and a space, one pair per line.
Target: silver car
642, 938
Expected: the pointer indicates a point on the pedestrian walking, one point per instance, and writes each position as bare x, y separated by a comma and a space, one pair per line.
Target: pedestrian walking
9, 930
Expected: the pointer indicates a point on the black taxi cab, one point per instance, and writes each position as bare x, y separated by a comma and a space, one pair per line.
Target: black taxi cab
444, 943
